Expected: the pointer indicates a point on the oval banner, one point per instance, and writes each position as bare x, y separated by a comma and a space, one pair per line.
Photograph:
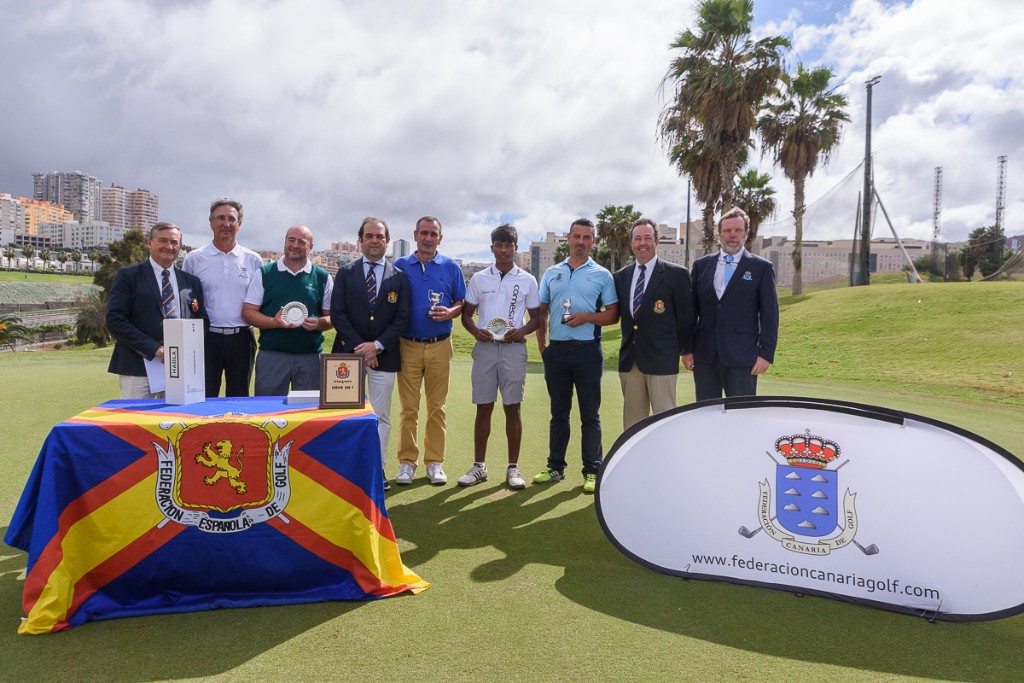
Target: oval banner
841, 500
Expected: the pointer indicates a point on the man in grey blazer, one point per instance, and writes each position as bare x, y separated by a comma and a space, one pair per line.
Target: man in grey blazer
140, 298
657, 324
370, 309
737, 315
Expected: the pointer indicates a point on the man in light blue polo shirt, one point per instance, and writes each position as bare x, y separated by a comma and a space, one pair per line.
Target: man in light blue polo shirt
577, 297
436, 289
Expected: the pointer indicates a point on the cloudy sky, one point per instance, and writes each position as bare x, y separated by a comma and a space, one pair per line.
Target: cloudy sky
322, 112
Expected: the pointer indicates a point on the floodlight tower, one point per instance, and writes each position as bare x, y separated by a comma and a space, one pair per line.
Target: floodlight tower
936, 218
1001, 193
865, 219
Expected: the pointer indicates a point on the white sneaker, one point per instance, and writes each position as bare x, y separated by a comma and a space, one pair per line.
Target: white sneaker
405, 474
436, 474
514, 478
476, 474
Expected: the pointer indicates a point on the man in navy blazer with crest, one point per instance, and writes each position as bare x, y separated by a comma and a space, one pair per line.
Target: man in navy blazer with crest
137, 306
737, 315
657, 319
370, 314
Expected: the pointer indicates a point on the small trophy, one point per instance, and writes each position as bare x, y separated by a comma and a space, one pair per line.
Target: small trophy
498, 327
566, 304
435, 299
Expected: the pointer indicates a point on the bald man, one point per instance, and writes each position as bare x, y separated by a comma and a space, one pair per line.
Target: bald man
289, 354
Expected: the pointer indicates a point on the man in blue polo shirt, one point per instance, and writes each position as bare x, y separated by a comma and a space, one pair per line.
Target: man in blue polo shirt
577, 296
436, 290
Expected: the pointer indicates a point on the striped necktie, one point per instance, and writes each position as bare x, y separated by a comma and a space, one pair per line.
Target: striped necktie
371, 284
638, 291
167, 303
730, 268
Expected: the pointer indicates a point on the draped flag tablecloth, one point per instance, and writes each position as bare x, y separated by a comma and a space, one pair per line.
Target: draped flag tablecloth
138, 507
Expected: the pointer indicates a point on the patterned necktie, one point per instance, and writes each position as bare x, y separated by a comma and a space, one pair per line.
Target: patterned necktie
638, 291
371, 284
730, 268
170, 308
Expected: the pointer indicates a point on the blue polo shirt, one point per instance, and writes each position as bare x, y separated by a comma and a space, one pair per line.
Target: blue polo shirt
590, 287
440, 274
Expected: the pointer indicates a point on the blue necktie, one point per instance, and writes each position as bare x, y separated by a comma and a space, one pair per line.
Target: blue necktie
730, 268
638, 291
371, 284
167, 296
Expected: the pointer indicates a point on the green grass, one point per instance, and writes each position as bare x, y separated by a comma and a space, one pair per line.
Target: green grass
526, 586
32, 276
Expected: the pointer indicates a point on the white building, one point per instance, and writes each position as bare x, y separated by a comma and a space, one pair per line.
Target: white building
80, 235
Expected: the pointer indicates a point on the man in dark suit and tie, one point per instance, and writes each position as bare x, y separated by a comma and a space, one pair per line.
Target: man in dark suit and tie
657, 324
140, 298
737, 315
370, 310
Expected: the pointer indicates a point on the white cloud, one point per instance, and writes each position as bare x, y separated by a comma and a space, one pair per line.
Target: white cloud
323, 112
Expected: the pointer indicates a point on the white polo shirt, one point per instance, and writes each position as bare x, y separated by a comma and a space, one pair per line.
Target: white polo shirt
507, 297
225, 278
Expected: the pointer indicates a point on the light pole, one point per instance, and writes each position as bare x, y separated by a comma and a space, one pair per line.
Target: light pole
865, 216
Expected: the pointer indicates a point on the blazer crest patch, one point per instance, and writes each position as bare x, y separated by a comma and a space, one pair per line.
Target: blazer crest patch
392, 296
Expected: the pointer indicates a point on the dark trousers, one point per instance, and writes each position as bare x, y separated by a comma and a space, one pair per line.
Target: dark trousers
579, 367
231, 355
711, 380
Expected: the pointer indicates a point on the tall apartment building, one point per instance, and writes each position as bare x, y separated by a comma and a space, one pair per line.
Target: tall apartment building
12, 218
132, 209
38, 211
401, 248
115, 205
143, 208
80, 193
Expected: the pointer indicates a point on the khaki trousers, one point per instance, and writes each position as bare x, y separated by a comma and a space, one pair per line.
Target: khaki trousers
643, 395
429, 366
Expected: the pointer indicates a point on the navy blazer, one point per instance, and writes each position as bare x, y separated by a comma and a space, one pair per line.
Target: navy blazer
355, 323
136, 320
663, 326
744, 324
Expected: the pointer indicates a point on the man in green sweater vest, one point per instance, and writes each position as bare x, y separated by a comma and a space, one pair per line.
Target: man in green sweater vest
290, 343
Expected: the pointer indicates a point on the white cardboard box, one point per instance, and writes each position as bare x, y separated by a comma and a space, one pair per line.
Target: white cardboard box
184, 364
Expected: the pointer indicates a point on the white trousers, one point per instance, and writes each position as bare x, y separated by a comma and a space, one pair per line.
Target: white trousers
380, 386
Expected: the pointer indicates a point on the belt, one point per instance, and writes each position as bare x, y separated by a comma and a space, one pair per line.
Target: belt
505, 341
428, 340
571, 342
228, 330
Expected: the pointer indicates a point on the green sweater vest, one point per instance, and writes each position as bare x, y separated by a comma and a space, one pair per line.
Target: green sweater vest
280, 288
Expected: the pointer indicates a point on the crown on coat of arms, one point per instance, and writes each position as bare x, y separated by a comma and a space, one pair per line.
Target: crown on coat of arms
805, 450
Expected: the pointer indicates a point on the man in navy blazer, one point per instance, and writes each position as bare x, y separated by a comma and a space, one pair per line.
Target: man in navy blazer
369, 315
140, 298
657, 324
737, 315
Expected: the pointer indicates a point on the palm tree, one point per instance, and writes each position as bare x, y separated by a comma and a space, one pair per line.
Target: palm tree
692, 157
91, 325
29, 252
803, 125
754, 195
94, 256
10, 255
613, 224
76, 258
12, 331
62, 258
719, 81
46, 255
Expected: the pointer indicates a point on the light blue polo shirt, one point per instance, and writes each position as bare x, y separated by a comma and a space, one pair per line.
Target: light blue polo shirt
590, 287
440, 274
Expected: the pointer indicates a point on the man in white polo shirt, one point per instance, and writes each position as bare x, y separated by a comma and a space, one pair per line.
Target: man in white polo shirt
225, 268
501, 295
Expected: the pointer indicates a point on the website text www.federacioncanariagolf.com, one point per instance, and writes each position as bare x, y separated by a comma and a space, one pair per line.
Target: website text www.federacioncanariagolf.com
886, 585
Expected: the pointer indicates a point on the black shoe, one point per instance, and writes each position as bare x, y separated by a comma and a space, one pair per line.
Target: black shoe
387, 484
